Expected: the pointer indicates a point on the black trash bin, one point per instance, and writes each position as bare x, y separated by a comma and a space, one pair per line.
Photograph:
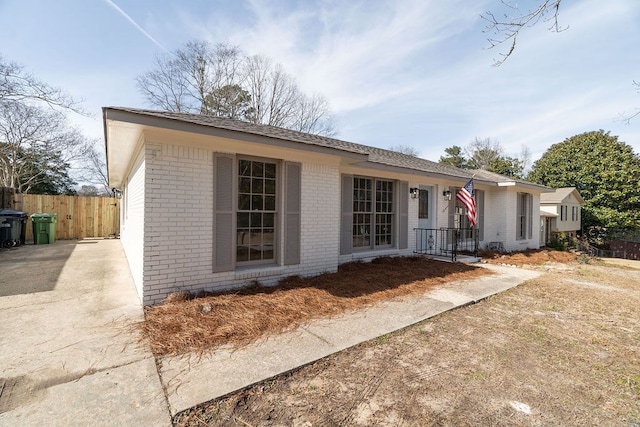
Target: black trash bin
15, 226
5, 232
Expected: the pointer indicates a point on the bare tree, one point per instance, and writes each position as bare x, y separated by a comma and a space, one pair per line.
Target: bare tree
481, 152
37, 148
184, 80
17, 85
313, 116
221, 81
505, 27
91, 169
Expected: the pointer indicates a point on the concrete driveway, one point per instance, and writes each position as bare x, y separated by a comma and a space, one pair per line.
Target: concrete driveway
70, 354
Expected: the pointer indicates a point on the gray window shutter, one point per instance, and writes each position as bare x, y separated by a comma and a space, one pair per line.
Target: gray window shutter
403, 213
346, 223
223, 212
529, 216
292, 214
518, 214
480, 207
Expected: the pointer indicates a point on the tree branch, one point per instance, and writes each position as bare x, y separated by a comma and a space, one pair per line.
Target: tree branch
507, 28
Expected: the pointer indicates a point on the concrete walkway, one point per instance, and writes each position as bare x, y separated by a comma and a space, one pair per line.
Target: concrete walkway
70, 355
190, 380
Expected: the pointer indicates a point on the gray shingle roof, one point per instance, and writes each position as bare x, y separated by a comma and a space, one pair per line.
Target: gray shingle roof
375, 155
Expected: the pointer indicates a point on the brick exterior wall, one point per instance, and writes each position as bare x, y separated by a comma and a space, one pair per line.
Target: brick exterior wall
178, 235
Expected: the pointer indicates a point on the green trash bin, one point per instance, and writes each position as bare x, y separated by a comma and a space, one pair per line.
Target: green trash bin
44, 228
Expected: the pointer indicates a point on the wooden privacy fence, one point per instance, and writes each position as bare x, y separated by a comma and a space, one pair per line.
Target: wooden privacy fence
78, 216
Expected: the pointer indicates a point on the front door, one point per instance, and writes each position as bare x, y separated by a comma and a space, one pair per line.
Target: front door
425, 217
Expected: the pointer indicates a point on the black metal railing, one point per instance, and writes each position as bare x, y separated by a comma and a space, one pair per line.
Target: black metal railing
447, 242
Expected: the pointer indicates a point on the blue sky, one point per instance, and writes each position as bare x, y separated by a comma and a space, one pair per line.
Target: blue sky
401, 72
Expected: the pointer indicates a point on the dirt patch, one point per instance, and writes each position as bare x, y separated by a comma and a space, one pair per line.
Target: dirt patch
201, 324
549, 352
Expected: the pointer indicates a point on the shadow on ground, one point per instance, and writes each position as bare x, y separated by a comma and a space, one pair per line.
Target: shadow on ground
30, 269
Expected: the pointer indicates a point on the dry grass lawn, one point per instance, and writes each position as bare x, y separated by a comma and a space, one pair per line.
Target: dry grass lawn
560, 350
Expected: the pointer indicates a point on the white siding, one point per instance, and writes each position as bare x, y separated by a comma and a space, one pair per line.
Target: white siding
132, 221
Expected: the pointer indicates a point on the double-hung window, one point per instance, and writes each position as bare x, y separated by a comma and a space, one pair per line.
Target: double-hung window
524, 209
373, 213
256, 211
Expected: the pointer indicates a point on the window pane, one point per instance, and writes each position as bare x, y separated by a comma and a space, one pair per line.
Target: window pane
270, 170
256, 220
270, 186
244, 185
242, 253
244, 202
268, 220
257, 186
255, 253
269, 203
257, 169
257, 203
244, 168
244, 236
267, 236
243, 220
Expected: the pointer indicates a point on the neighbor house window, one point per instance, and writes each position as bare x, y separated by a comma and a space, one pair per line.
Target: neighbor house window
563, 213
574, 213
256, 211
524, 216
423, 204
373, 212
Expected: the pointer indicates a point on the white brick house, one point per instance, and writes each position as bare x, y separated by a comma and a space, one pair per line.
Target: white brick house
212, 203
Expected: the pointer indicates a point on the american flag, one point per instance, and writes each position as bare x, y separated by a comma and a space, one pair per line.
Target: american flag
466, 196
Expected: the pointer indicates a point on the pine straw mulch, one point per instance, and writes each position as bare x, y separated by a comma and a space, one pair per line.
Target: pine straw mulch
198, 324
529, 257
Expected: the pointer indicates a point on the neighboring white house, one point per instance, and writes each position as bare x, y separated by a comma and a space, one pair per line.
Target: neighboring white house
561, 212
211, 203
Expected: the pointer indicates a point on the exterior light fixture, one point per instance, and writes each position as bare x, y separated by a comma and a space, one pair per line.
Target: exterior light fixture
446, 195
414, 192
